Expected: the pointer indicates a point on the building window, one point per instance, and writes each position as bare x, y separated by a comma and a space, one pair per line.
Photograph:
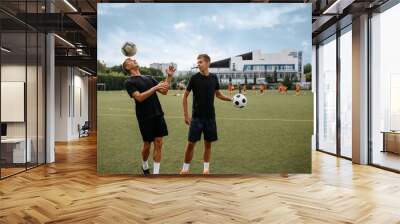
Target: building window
327, 96
346, 93
385, 89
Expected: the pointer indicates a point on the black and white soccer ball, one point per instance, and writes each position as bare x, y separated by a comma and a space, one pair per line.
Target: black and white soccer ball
128, 49
239, 100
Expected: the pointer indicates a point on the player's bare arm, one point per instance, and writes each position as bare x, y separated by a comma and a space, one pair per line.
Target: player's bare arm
170, 72
140, 97
164, 89
221, 96
185, 107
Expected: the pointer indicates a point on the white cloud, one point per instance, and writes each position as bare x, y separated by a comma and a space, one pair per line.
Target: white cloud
255, 18
305, 44
102, 11
117, 5
106, 8
306, 48
180, 25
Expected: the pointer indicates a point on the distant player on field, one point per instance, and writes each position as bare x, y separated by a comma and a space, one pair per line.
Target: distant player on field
262, 88
230, 88
298, 88
244, 89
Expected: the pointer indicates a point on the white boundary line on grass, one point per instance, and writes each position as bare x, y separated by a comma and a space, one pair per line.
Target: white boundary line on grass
218, 118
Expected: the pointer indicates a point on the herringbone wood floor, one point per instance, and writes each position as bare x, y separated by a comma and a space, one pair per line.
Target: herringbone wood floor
70, 191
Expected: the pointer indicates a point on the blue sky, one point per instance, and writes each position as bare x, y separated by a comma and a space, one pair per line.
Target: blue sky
179, 32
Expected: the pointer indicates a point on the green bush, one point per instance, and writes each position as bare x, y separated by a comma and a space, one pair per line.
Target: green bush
287, 82
159, 78
112, 82
268, 79
113, 77
307, 68
116, 81
308, 77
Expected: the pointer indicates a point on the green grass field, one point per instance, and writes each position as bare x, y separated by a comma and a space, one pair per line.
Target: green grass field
271, 135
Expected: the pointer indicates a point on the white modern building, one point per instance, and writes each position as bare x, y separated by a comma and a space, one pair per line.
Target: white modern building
163, 66
257, 65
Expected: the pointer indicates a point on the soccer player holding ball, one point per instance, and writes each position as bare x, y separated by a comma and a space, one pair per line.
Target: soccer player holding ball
150, 116
204, 86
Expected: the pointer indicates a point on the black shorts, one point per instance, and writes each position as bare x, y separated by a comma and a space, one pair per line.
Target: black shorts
152, 128
207, 126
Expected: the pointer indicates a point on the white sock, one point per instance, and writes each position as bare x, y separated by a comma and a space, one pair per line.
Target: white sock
156, 168
145, 165
186, 166
206, 165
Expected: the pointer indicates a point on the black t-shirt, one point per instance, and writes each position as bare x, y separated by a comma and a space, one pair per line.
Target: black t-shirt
151, 106
204, 88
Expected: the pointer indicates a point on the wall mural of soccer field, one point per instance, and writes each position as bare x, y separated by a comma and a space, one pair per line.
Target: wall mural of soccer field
267, 59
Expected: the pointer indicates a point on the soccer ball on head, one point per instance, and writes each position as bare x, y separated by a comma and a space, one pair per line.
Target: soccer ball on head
128, 49
239, 100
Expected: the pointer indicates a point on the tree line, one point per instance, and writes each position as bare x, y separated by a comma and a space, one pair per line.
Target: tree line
114, 77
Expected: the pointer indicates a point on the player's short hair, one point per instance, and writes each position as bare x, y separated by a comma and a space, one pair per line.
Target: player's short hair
124, 66
125, 63
204, 56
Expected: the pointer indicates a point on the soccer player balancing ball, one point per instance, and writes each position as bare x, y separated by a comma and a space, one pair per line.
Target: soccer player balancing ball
239, 100
128, 49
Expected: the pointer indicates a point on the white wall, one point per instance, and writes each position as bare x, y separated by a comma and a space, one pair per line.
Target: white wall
217, 70
13, 101
16, 72
62, 81
281, 57
80, 94
71, 87
33, 126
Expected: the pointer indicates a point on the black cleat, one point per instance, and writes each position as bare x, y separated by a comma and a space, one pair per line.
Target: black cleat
146, 172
